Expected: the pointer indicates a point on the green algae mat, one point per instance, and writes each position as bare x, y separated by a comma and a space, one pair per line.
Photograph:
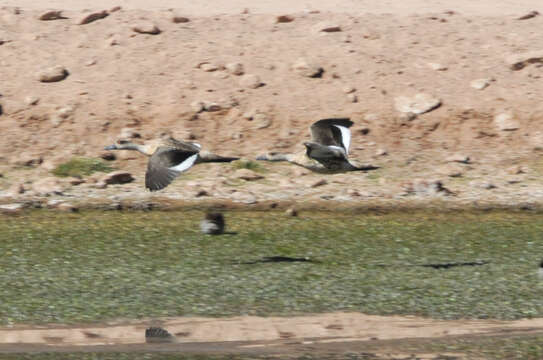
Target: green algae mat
99, 265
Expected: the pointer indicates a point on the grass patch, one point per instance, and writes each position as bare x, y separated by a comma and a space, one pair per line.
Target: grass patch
81, 166
99, 265
248, 164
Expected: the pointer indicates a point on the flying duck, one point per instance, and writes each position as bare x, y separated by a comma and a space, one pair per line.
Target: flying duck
328, 150
168, 158
213, 223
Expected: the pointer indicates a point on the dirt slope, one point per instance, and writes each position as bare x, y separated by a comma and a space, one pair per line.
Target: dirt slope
119, 79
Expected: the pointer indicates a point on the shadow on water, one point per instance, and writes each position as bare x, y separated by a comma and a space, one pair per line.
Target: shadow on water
278, 259
445, 265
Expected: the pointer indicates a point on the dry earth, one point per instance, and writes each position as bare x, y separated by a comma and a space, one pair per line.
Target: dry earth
481, 144
336, 332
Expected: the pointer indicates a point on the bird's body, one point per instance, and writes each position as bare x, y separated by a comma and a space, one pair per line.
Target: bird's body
213, 224
168, 159
328, 150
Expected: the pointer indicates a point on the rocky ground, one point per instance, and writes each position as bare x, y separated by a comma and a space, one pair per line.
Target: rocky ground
445, 102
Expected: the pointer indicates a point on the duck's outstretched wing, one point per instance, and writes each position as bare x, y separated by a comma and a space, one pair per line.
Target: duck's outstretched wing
182, 145
166, 164
332, 132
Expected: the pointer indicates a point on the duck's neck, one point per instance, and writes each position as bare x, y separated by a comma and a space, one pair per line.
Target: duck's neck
137, 147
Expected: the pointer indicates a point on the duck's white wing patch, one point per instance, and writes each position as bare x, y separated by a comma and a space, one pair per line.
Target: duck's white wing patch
339, 148
345, 137
185, 165
197, 145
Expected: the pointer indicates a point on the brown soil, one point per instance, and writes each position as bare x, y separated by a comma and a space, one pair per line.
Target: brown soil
313, 333
122, 79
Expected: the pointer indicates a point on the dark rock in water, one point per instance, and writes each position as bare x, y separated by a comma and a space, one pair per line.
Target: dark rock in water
212, 224
157, 335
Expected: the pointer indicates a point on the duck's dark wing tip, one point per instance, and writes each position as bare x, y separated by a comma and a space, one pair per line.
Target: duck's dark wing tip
157, 178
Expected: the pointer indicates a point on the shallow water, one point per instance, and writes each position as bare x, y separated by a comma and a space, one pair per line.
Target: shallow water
98, 265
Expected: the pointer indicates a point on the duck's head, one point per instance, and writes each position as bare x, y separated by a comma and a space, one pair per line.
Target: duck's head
122, 145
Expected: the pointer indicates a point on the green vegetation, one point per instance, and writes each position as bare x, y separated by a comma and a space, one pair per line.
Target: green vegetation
248, 164
98, 265
81, 166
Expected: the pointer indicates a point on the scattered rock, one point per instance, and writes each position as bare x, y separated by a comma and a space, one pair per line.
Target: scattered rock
304, 68
261, 121
108, 155
515, 179
235, 68
381, 152
113, 40
88, 18
146, 28
352, 98
212, 224
291, 212
321, 182
243, 198
53, 74
209, 67
27, 159
32, 100
451, 170
197, 106
180, 19
74, 181
482, 185
48, 186
115, 8
117, 177
250, 81
16, 189
221, 74
426, 187
479, 84
348, 89
211, 106
459, 158
281, 19
519, 61
353, 193
517, 169
404, 118
529, 15
326, 26
66, 207
537, 140
11, 208
99, 185
129, 133
247, 175
419, 104
437, 67
51, 15
201, 193
506, 122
